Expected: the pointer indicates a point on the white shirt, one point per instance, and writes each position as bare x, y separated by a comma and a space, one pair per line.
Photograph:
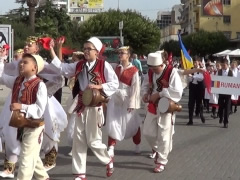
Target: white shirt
173, 92
225, 72
35, 110
84, 77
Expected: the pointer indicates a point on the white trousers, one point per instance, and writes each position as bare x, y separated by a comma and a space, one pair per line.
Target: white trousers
158, 130
30, 163
88, 134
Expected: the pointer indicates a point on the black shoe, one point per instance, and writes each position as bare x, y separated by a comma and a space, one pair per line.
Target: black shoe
235, 110
220, 121
214, 116
189, 123
202, 118
225, 126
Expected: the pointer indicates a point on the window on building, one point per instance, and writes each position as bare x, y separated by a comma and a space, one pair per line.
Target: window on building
227, 34
227, 19
238, 35
226, 2
79, 18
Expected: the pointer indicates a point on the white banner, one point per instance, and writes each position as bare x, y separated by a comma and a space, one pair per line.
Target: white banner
6, 38
225, 85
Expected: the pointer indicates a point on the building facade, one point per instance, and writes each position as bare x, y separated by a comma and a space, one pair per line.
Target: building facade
169, 23
211, 15
164, 18
78, 10
81, 10
169, 33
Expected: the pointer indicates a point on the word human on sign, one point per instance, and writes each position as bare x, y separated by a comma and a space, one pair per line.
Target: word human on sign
225, 85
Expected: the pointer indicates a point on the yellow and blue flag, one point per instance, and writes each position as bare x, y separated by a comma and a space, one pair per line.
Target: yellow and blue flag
187, 61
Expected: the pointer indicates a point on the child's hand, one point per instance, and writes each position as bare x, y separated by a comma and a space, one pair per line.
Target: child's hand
15, 106
61, 40
93, 86
145, 98
154, 97
52, 44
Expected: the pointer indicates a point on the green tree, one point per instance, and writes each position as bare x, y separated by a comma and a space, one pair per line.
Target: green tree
139, 32
201, 43
31, 5
171, 46
55, 22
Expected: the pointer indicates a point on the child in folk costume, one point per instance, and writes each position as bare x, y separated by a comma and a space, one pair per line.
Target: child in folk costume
73, 97
29, 96
162, 81
123, 121
54, 116
18, 54
92, 73
9, 133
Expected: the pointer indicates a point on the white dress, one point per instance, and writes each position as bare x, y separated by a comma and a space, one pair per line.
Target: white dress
120, 123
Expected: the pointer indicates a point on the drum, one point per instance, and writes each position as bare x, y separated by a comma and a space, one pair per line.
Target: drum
166, 105
18, 120
92, 97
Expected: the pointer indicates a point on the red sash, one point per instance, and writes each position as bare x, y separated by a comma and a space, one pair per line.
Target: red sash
162, 82
127, 74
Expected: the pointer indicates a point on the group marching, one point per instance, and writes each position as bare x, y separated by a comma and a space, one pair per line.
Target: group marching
102, 94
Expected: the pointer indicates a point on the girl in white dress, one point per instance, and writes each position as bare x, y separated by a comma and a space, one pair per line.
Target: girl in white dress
123, 120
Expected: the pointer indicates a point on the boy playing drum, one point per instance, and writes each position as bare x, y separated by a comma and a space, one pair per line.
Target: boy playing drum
91, 73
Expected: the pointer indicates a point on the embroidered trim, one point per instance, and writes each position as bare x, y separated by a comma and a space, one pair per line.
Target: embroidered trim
158, 81
50, 158
10, 167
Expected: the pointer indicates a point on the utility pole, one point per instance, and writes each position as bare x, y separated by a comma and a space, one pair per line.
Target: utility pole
121, 36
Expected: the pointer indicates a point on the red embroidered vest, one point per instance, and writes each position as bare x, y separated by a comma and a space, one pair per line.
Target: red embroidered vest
127, 74
29, 93
162, 82
97, 73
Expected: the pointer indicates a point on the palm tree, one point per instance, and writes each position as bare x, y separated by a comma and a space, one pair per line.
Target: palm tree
31, 4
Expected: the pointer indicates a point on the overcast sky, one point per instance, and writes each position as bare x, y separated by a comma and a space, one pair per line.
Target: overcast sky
146, 7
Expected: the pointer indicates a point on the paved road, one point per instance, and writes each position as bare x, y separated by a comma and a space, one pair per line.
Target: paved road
200, 152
